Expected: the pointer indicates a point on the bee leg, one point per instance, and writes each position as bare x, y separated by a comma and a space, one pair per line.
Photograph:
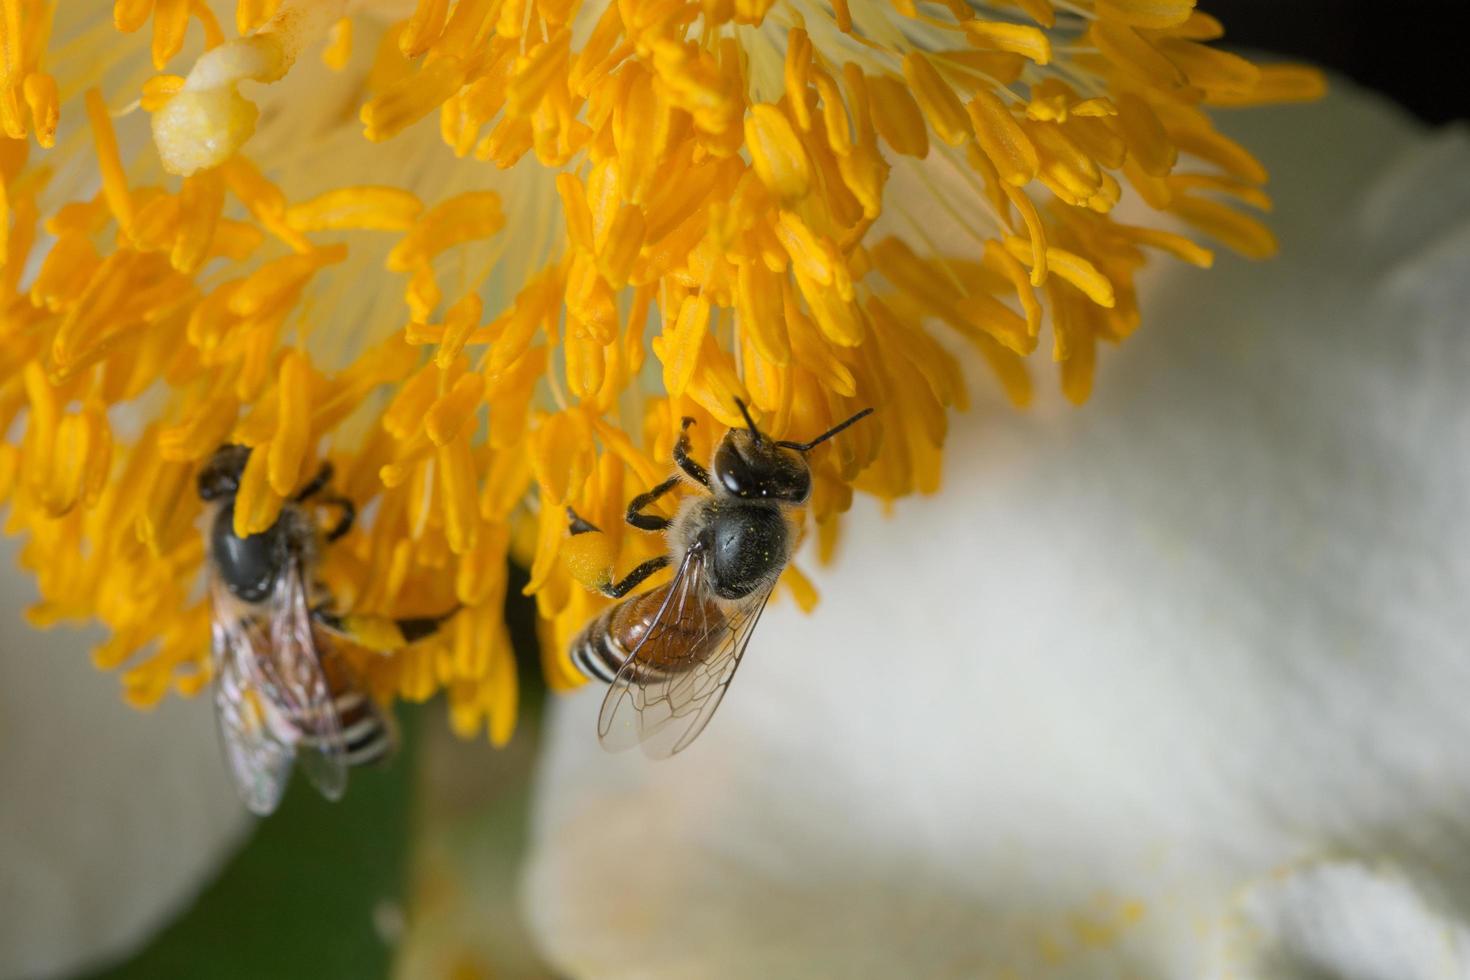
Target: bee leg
599, 575
696, 472
323, 614
322, 478
344, 523
378, 633
650, 522
635, 578
577, 525
420, 627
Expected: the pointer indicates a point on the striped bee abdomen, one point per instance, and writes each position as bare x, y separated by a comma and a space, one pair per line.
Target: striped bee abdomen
667, 645
363, 734
595, 653
365, 737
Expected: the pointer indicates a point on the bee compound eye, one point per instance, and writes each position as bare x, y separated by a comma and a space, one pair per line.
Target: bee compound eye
801, 486
732, 471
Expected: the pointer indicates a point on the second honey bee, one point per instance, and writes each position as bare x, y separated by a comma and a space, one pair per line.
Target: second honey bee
669, 654
283, 692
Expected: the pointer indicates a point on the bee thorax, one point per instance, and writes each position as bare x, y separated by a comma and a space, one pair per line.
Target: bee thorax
748, 545
248, 566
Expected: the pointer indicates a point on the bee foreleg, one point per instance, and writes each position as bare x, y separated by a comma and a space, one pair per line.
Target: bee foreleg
696, 472
322, 478
650, 522
344, 523
380, 633
592, 565
633, 579
420, 627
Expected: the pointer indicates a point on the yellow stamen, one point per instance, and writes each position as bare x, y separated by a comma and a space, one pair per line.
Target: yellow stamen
289, 444
1016, 38
680, 178
1003, 140
776, 152
940, 104
1156, 14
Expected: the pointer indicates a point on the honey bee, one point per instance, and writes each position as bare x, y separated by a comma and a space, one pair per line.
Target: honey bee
282, 689
669, 654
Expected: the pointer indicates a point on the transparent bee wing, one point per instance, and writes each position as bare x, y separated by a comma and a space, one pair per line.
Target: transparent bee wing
669, 687
294, 668
258, 756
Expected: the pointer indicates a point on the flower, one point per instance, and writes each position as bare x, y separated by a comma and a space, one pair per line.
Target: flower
748, 177
107, 827
1171, 686
1342, 918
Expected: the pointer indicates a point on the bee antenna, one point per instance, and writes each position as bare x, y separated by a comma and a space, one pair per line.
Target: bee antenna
749, 422
808, 446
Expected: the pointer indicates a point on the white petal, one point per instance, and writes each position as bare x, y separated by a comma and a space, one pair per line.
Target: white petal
1346, 920
110, 820
1133, 655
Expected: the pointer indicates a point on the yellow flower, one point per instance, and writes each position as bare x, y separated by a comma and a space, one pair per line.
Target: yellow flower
433, 249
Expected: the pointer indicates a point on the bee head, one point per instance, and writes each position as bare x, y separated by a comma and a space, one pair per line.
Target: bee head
749, 465
221, 475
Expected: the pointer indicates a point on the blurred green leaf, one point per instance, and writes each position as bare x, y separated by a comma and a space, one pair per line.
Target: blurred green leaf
301, 898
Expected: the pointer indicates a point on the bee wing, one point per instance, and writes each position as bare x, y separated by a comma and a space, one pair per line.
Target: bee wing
294, 668
259, 757
672, 682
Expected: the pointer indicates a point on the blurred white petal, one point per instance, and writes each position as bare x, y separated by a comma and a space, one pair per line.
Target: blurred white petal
1132, 658
469, 839
110, 820
1343, 920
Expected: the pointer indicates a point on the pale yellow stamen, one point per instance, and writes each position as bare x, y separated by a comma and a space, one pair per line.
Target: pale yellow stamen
207, 120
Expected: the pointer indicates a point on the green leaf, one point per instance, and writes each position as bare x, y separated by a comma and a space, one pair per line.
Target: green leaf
301, 898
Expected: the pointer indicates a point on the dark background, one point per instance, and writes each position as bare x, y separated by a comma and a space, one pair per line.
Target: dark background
1405, 49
